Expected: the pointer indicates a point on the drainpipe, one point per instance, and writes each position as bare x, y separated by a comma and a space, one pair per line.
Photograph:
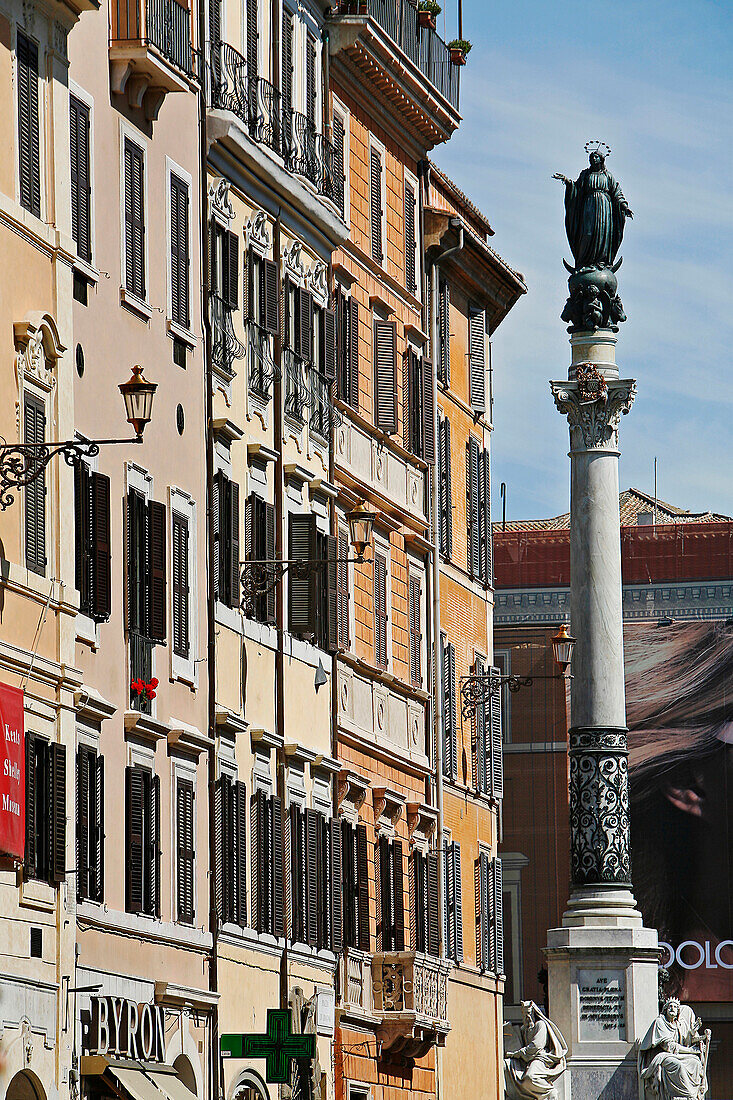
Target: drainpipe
210, 587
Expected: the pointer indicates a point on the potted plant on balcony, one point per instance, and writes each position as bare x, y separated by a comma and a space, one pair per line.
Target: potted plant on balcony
459, 48
427, 10
143, 691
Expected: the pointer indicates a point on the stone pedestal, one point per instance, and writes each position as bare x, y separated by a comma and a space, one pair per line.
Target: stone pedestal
602, 961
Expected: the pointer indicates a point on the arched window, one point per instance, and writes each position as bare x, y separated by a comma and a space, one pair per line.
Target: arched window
25, 1086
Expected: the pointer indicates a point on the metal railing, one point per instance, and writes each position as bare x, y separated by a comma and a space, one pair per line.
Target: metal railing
165, 24
263, 370
424, 46
296, 388
141, 668
324, 415
226, 347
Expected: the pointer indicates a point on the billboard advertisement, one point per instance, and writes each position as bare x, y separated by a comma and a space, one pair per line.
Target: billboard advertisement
679, 700
12, 772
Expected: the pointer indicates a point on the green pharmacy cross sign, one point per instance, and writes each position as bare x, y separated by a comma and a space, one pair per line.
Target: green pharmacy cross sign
279, 1046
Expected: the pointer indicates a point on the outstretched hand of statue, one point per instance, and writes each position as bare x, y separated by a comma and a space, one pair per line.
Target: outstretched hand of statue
561, 177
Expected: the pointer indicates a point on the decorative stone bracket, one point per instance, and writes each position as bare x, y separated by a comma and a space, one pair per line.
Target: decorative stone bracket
352, 790
388, 807
422, 821
593, 412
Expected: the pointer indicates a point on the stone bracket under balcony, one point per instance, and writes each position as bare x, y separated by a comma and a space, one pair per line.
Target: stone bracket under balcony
150, 52
410, 1000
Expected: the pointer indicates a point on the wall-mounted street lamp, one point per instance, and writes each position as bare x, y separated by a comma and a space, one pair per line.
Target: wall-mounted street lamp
22, 463
260, 576
476, 691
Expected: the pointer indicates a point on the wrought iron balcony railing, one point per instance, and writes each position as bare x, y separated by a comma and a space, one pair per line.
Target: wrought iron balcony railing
324, 415
424, 46
297, 397
225, 345
165, 24
263, 370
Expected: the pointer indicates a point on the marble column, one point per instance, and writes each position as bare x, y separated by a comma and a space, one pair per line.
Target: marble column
602, 961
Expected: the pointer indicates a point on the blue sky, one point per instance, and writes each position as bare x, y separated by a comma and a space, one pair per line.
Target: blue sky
654, 81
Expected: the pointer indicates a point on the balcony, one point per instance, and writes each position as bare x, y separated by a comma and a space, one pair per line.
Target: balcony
409, 66
150, 51
410, 997
263, 370
225, 345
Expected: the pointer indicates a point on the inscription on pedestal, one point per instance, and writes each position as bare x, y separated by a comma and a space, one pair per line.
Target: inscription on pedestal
602, 1005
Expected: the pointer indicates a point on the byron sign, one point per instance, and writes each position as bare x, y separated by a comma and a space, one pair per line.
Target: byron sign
120, 1028
12, 772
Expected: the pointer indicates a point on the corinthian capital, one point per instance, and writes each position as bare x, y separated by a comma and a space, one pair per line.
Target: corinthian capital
594, 414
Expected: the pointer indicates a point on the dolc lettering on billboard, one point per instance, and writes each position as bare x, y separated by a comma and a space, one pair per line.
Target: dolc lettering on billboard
12, 772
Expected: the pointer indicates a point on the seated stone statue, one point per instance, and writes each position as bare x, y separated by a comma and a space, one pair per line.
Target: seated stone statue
530, 1072
673, 1055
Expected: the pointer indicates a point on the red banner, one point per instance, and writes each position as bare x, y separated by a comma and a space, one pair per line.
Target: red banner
12, 772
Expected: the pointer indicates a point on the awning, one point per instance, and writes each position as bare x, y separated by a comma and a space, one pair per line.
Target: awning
147, 1084
172, 1085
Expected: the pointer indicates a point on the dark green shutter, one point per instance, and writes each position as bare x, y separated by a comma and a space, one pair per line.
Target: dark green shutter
362, 878
433, 945
31, 838
498, 915
339, 162
232, 550
277, 910
444, 334
380, 610
375, 203
269, 555
134, 842
100, 550
34, 432
29, 138
83, 536
80, 177
342, 580
398, 899
84, 761
332, 594
271, 311
287, 64
239, 847
156, 571
302, 546
97, 868
185, 850
153, 851
336, 892
230, 273
312, 819
180, 585
410, 243
134, 219
328, 360
179, 252
353, 353
428, 411
310, 81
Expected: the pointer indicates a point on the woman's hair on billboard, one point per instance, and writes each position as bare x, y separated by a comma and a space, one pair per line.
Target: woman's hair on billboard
679, 693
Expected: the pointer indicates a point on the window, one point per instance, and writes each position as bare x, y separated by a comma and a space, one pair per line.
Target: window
479, 544
415, 628
134, 219
355, 879
315, 879
424, 901
453, 902
180, 585
92, 542
376, 202
444, 488
385, 375
412, 256
418, 396
391, 911
226, 540
313, 598
146, 567
347, 349
180, 260
45, 809
81, 181
444, 333
185, 851
450, 718
230, 799
142, 821
224, 274
89, 824
29, 140
298, 332
380, 609
263, 292
34, 432
323, 371
477, 358
489, 914
267, 867
342, 584
259, 536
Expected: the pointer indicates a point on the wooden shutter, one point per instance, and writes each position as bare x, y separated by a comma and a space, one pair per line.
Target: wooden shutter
180, 585
157, 571
134, 816
230, 274
380, 610
414, 626
337, 916
215, 38
339, 137
85, 759
362, 878
408, 402
433, 945
483, 922
454, 854
410, 244
472, 498
239, 846
450, 740
486, 515
302, 546
219, 845
231, 559
385, 376
384, 895
311, 862
217, 517
184, 850
375, 184
29, 140
179, 252
477, 358
304, 324
269, 554
34, 432
428, 412
153, 841
332, 594
444, 333
252, 37
342, 581
100, 550
353, 353
277, 923
297, 888
134, 219
97, 868
445, 497
31, 845
257, 808
57, 810
310, 80
398, 897
328, 359
498, 916
483, 534
287, 64
497, 759
80, 177
271, 311
83, 536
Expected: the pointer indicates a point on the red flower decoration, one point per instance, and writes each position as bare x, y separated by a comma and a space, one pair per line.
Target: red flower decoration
153, 683
137, 686
150, 693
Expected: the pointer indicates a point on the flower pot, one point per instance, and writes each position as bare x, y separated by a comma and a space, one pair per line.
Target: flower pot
426, 19
457, 56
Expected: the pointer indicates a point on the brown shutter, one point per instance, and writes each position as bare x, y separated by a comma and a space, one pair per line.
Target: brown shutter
380, 610
180, 585
343, 590
29, 157
257, 807
179, 252
375, 196
269, 554
332, 594
362, 878
311, 833
84, 760
34, 432
472, 510
231, 270
353, 353
80, 177
428, 412
31, 847
304, 323
271, 313
157, 571
153, 846
302, 546
433, 903
339, 162
458, 901
252, 37
450, 744
184, 850
444, 334
217, 504
498, 915
232, 547
134, 788
219, 845
410, 283
310, 80
385, 376
277, 927
134, 219
477, 358
58, 812
100, 548
398, 898
414, 628
329, 345
83, 535
337, 916
497, 760
98, 836
287, 64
